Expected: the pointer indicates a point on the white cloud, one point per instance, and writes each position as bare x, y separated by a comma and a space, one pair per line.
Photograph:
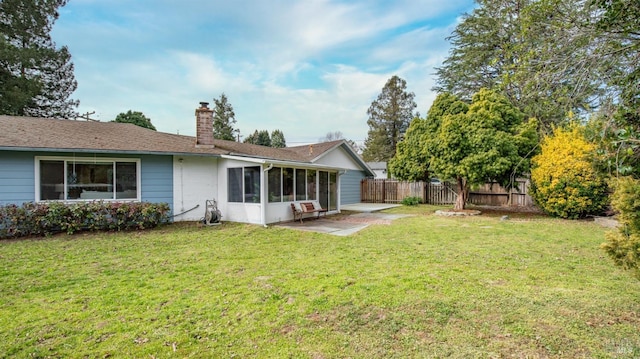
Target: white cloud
306, 68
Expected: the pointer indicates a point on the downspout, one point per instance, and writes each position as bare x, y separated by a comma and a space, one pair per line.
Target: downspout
264, 198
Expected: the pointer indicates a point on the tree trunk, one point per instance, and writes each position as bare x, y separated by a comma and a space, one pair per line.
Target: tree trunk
461, 199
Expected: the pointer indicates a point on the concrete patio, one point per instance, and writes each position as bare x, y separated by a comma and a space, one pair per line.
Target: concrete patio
344, 225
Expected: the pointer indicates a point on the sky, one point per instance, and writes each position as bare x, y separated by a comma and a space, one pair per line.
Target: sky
306, 68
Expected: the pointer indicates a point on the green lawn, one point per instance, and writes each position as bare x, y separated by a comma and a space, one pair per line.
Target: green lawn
425, 286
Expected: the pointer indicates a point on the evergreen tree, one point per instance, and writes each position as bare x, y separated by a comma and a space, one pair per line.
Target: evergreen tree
136, 118
487, 140
389, 118
261, 138
277, 139
37, 78
223, 119
414, 152
618, 25
539, 54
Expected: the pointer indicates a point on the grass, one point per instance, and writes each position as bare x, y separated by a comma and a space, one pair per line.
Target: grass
425, 286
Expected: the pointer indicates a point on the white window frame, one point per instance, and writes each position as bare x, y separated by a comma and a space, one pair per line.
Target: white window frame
306, 184
68, 159
242, 184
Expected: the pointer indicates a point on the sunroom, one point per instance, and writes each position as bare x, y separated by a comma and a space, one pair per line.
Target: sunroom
262, 190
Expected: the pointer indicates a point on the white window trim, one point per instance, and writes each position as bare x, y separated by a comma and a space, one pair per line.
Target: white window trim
87, 159
242, 184
317, 194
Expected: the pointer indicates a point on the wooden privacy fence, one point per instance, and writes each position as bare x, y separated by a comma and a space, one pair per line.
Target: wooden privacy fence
491, 194
389, 191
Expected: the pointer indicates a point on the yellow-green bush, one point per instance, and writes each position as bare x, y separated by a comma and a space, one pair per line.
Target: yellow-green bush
624, 245
564, 182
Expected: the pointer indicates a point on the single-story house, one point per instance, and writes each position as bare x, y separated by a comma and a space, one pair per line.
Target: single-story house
66, 160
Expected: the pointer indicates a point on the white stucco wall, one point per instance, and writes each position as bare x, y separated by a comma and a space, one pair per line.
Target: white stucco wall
237, 212
195, 180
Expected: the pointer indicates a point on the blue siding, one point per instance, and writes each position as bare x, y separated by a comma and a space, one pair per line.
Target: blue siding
17, 183
157, 179
17, 175
350, 187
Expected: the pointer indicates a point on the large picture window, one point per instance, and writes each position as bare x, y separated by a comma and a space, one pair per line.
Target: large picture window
87, 179
244, 184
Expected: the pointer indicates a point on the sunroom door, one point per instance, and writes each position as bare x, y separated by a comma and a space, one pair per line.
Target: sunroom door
328, 190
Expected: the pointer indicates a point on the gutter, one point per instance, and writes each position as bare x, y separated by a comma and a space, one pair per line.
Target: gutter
124, 152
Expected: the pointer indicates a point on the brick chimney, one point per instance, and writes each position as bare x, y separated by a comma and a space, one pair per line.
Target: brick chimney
204, 125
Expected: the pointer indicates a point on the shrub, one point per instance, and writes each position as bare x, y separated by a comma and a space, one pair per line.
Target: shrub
411, 201
32, 219
564, 181
624, 245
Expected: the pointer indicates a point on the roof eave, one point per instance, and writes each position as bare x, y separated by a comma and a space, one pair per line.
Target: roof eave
105, 151
351, 152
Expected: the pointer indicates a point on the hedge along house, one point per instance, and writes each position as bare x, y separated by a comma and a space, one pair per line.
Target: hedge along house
65, 160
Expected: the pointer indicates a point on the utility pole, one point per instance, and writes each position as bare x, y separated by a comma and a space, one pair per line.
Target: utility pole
85, 116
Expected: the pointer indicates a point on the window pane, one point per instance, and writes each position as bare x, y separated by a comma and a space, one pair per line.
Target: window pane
333, 191
126, 180
234, 184
301, 188
287, 184
51, 180
252, 184
324, 189
311, 185
89, 180
275, 184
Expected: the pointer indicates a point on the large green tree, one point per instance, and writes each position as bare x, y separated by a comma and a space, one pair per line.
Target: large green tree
223, 119
543, 55
135, 117
389, 118
36, 77
618, 123
617, 23
487, 141
411, 162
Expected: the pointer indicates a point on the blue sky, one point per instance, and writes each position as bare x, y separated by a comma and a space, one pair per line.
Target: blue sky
304, 67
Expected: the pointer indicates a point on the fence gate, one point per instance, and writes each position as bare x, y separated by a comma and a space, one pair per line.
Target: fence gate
441, 193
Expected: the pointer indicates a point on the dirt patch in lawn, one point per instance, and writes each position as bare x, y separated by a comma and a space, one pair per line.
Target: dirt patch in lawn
512, 212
